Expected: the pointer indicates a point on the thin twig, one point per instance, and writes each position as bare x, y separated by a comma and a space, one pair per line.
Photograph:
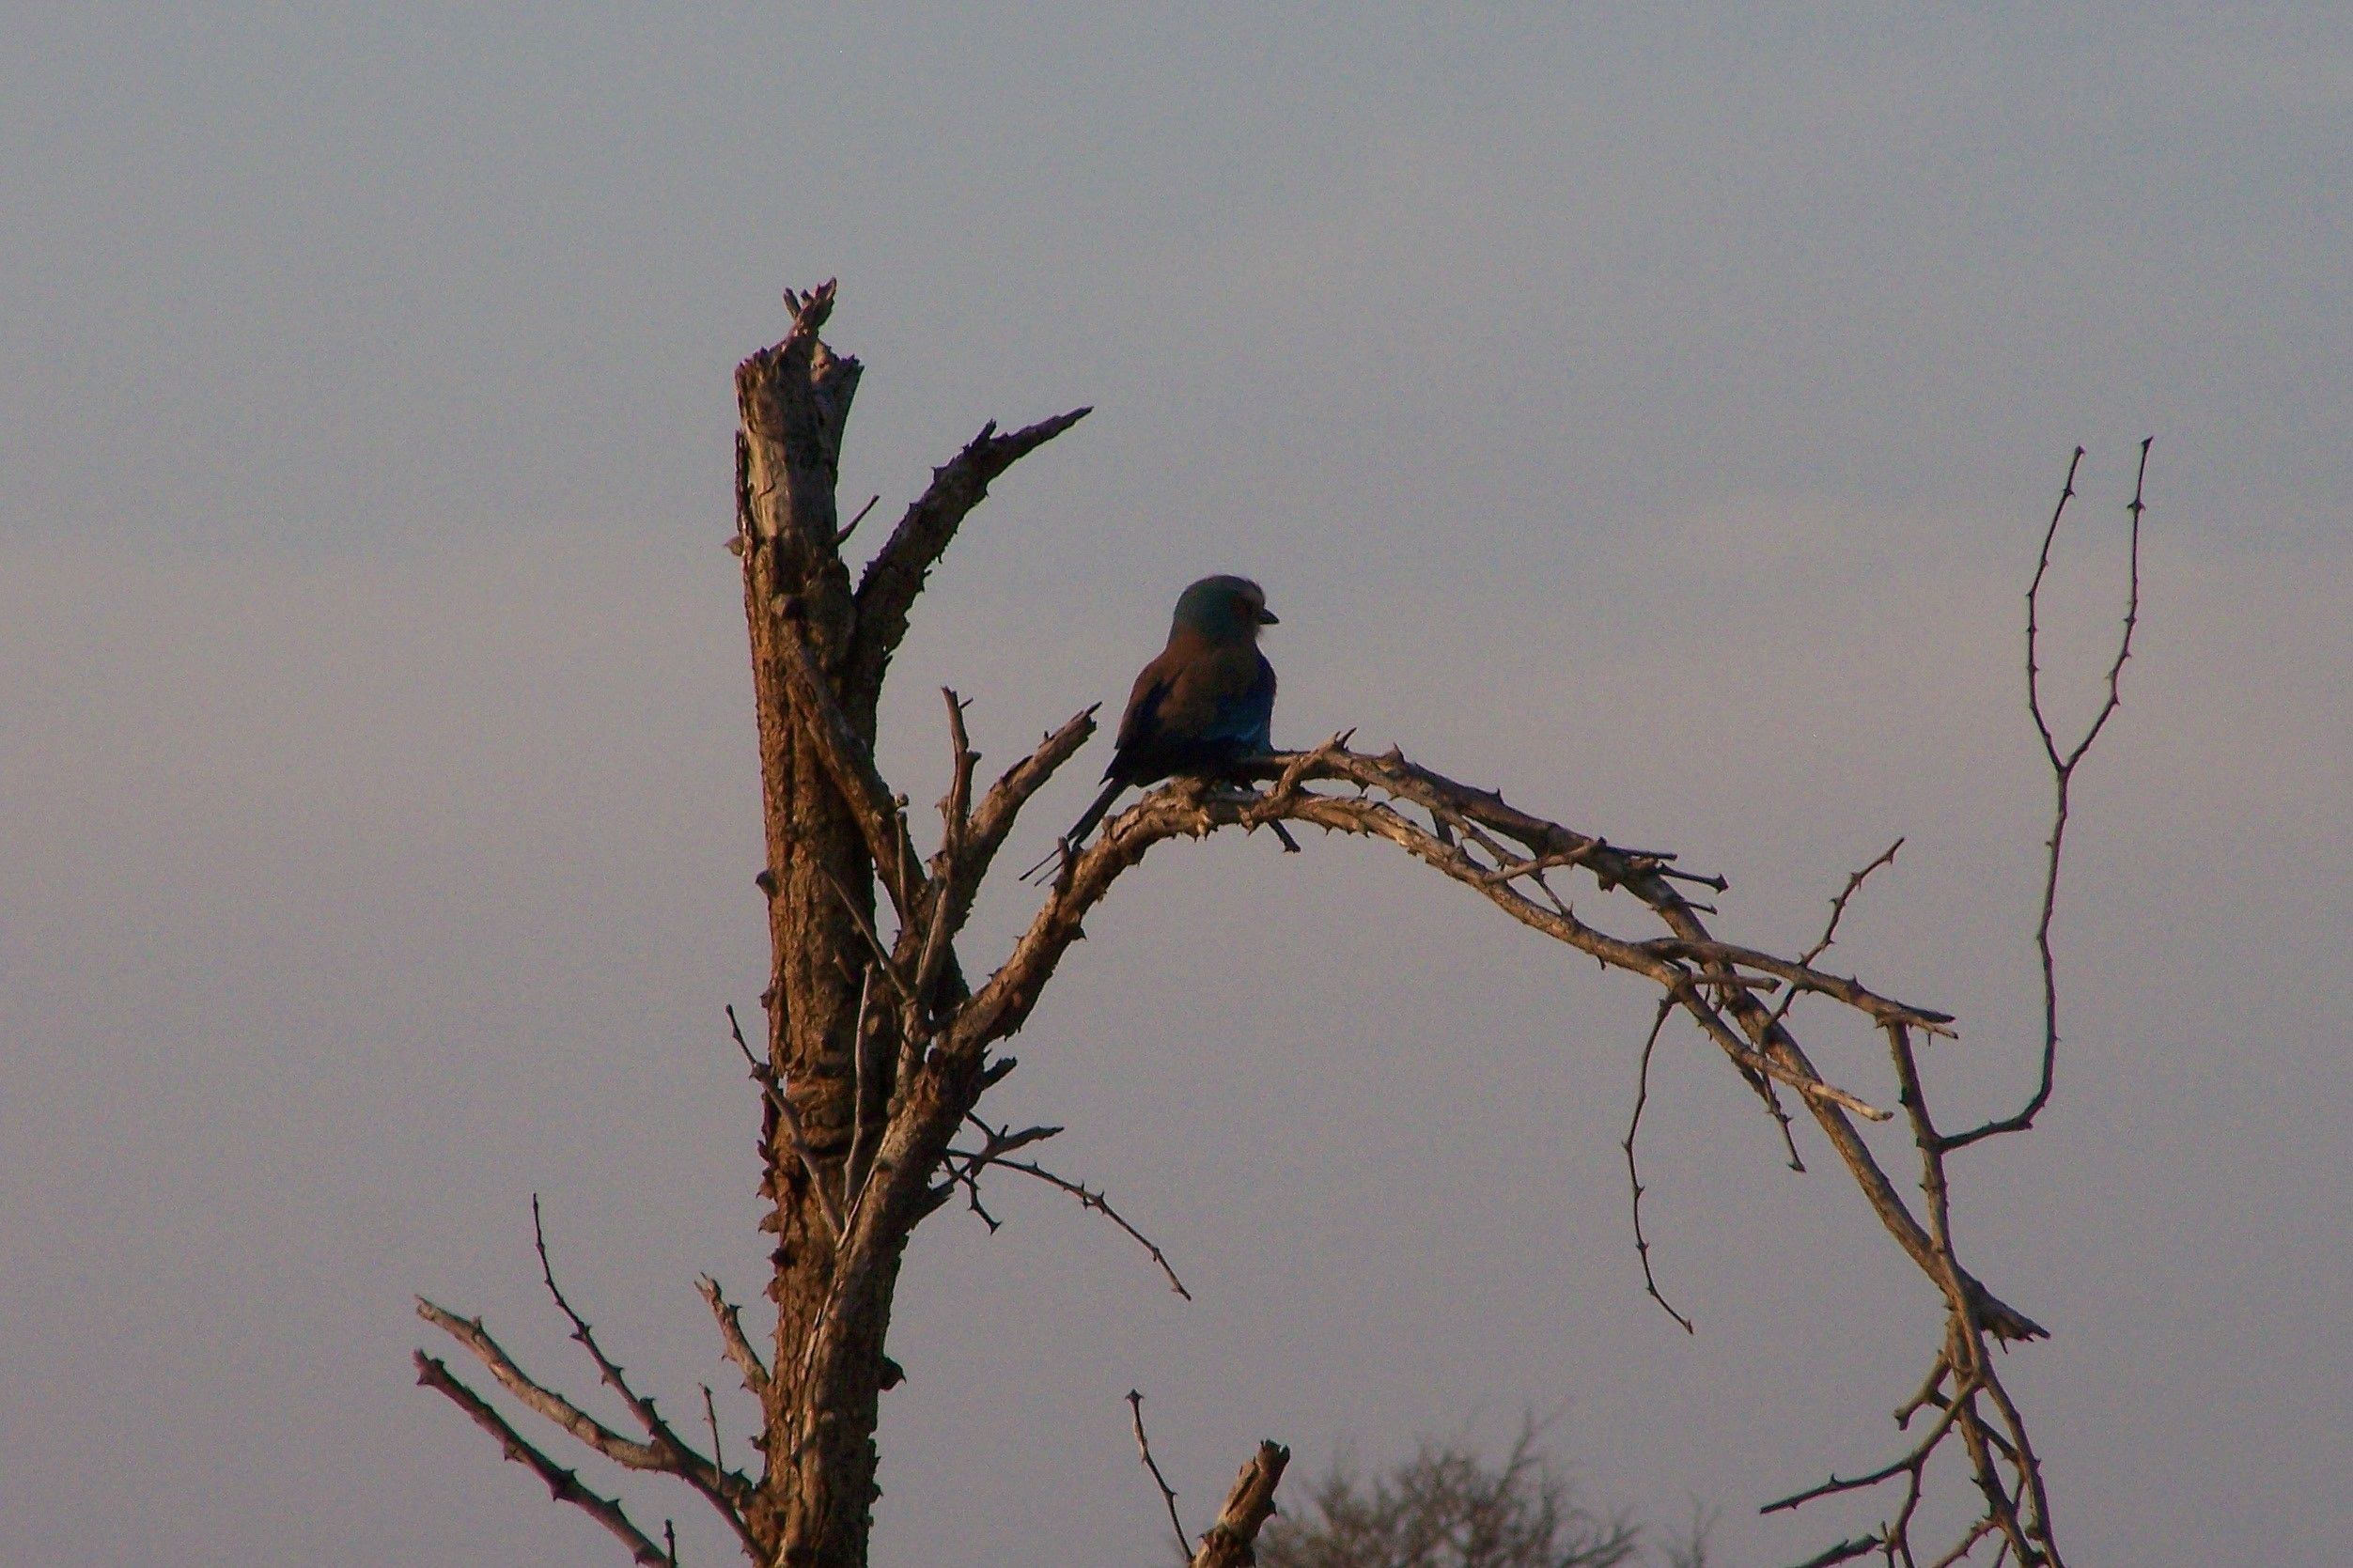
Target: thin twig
1633, 1173
1914, 1462
1788, 1130
863, 1126
789, 1119
1000, 1144
2033, 605
737, 1348
850, 527
710, 1413
865, 929
1090, 1198
1838, 912
1168, 1493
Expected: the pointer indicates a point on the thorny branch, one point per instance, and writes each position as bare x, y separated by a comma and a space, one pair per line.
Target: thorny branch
927, 1043
727, 1491
1143, 1450
563, 1484
2062, 776
1838, 912
1963, 1385
732, 1341
1000, 1142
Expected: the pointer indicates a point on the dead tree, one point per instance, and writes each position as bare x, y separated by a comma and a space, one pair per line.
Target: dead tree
880, 1044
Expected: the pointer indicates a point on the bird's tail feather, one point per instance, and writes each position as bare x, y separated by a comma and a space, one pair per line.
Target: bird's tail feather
1070, 841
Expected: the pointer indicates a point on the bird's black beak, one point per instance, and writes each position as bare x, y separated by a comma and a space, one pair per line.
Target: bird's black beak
1267, 618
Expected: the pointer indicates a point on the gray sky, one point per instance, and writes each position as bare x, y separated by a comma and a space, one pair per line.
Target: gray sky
1653, 415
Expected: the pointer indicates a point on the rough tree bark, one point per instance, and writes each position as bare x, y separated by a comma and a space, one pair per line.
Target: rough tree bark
878, 1050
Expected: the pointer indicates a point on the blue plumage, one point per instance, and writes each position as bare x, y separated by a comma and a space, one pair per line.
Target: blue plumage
1204, 704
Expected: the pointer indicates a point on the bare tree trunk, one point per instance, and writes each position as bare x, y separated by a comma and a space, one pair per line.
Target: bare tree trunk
795, 398
819, 653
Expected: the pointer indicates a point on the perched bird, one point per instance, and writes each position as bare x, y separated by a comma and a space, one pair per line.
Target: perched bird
1202, 704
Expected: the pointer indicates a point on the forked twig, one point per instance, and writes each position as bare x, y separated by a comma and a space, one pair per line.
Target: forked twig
2063, 778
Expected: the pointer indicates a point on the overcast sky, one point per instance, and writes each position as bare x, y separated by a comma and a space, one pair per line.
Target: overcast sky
1655, 416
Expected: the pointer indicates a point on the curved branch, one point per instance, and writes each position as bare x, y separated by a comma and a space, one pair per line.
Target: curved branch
887, 591
1500, 852
1633, 1171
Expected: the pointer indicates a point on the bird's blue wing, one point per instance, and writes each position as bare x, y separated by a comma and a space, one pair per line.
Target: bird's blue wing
1194, 708
1245, 718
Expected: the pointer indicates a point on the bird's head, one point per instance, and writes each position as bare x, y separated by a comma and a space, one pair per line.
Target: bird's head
1224, 609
